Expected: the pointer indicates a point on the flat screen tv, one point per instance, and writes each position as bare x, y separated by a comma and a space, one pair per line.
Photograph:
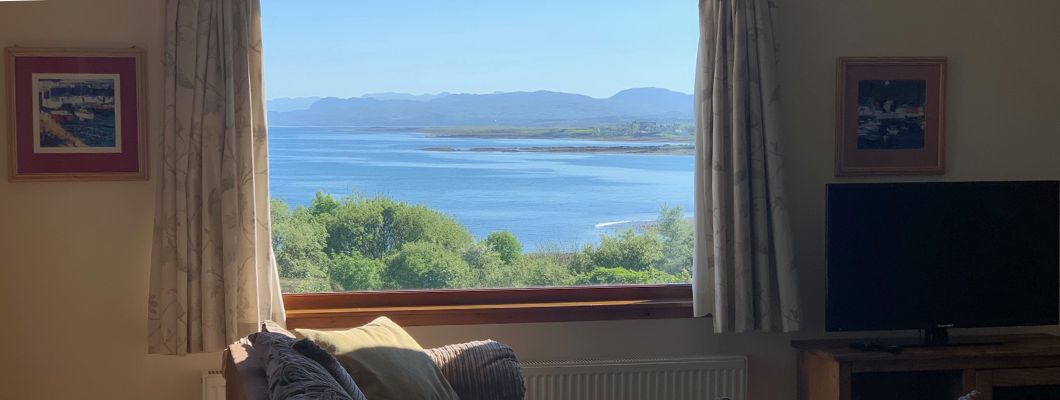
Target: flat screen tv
937, 255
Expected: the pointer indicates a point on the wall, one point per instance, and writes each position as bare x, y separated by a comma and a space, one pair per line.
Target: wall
73, 256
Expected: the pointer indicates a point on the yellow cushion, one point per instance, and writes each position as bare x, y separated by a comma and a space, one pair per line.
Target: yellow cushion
385, 361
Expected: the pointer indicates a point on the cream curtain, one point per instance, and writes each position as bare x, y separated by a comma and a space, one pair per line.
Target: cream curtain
744, 273
213, 274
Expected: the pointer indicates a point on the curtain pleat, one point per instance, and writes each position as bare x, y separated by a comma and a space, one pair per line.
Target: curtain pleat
744, 272
213, 273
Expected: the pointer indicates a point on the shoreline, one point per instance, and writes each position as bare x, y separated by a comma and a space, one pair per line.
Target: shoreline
667, 149
515, 133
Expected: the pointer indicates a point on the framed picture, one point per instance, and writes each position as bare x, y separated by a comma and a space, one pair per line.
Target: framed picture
890, 116
76, 114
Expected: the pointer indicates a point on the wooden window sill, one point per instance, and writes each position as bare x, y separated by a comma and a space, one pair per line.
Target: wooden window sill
489, 306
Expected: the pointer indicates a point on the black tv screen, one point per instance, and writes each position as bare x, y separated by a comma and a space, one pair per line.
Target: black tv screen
954, 254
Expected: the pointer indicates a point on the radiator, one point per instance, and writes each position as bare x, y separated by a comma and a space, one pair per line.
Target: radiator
213, 385
698, 378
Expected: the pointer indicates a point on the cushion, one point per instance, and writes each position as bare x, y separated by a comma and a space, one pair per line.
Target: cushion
294, 376
275, 327
309, 349
481, 370
385, 361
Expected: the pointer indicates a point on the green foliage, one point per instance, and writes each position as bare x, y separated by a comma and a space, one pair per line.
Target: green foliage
483, 261
622, 276
505, 244
678, 240
628, 250
426, 265
356, 272
299, 240
530, 272
369, 243
313, 285
378, 226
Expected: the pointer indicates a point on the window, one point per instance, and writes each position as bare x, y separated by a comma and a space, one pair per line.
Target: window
482, 147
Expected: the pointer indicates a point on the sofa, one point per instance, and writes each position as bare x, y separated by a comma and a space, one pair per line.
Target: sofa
475, 370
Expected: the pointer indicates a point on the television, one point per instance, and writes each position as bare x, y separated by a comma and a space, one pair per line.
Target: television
937, 255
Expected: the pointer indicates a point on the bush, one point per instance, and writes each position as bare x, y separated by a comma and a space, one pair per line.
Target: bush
299, 242
426, 265
530, 272
378, 226
620, 276
627, 250
356, 272
505, 244
367, 243
483, 262
678, 240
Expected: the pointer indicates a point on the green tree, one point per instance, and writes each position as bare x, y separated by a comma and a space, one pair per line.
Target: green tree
528, 272
378, 226
323, 204
299, 241
628, 250
355, 272
483, 261
623, 276
505, 244
678, 241
426, 265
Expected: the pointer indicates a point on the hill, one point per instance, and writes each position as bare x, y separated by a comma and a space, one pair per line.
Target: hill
541, 108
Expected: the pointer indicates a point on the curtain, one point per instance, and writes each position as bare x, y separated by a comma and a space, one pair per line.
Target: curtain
213, 274
744, 272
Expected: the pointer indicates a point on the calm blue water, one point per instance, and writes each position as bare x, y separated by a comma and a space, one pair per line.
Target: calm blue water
553, 201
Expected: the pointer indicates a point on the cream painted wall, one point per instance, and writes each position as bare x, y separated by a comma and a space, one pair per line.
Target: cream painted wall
73, 279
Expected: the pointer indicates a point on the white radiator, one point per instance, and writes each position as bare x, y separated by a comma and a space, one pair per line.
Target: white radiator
699, 378
213, 385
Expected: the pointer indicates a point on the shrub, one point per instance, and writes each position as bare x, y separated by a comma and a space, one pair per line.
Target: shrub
378, 226
627, 250
299, 242
529, 272
678, 241
505, 244
619, 276
356, 272
426, 265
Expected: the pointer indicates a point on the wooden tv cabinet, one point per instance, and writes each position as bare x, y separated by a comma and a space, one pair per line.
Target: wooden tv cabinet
1023, 367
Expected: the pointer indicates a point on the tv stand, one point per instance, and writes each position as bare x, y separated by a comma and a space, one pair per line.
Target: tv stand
935, 336
1001, 367
931, 337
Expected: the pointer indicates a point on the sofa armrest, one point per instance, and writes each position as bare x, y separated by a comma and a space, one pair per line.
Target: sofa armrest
243, 366
481, 370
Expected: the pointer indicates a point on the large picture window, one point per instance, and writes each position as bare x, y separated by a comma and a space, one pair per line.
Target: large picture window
480, 145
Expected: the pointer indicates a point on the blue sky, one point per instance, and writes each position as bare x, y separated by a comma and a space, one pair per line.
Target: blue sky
345, 48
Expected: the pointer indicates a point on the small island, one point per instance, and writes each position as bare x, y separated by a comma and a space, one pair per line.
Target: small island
635, 131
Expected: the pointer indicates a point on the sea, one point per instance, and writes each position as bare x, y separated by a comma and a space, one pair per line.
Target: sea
550, 201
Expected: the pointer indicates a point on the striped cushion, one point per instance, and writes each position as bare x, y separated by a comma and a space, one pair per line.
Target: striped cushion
481, 370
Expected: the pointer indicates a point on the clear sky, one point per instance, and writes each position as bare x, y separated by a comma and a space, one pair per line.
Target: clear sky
346, 48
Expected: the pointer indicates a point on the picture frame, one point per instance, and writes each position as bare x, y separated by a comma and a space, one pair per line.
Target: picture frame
76, 114
890, 116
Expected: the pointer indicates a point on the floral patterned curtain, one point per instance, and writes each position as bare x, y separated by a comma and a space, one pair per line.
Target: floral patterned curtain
213, 274
745, 271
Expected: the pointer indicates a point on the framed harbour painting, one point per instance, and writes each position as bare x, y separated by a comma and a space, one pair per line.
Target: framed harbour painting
890, 116
76, 114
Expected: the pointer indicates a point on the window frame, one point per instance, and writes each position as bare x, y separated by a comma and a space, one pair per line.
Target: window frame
489, 306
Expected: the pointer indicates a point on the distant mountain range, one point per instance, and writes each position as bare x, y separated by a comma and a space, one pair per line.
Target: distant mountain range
541, 108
